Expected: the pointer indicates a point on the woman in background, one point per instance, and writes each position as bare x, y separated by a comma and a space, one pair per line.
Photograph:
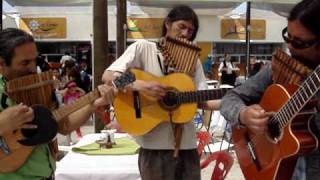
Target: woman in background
227, 70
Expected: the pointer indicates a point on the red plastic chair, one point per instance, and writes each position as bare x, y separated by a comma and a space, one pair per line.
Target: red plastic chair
103, 115
105, 118
204, 139
224, 162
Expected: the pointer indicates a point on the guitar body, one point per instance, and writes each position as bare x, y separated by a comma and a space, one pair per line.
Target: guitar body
16, 146
152, 111
274, 159
18, 152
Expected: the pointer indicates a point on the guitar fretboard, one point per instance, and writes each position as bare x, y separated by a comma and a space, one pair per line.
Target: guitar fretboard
119, 83
299, 99
74, 106
201, 95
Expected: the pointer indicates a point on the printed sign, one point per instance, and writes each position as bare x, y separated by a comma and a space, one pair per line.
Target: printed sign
236, 29
44, 27
141, 28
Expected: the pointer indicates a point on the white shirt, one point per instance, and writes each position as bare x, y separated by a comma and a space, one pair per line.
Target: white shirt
143, 55
229, 67
65, 58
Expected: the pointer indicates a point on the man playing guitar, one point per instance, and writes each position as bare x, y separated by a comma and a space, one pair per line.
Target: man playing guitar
156, 159
240, 105
18, 54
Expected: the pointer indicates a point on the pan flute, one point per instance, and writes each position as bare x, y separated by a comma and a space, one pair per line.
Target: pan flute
180, 55
33, 89
288, 70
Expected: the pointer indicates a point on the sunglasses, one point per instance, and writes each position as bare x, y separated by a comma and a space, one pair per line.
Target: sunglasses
297, 44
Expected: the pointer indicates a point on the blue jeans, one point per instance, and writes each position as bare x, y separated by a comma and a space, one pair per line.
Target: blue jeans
300, 169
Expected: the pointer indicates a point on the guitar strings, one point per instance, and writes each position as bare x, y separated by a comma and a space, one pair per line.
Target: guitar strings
256, 138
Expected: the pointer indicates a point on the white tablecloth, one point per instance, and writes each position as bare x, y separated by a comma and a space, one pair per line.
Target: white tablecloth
76, 166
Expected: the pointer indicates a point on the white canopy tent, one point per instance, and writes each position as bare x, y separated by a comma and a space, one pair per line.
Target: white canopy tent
277, 6
82, 9
159, 3
260, 8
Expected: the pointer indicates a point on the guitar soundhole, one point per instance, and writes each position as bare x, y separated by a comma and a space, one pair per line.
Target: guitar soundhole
47, 127
274, 131
170, 100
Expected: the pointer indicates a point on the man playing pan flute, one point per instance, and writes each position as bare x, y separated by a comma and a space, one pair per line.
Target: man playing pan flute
156, 161
18, 55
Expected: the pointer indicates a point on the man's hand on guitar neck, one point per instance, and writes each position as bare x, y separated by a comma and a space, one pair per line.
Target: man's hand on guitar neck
107, 95
16, 117
255, 118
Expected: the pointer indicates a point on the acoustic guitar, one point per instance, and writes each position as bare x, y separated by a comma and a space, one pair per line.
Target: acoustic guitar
273, 154
16, 146
138, 113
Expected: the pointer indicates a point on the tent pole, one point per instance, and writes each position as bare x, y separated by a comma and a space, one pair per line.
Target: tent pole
248, 30
100, 47
1, 15
121, 26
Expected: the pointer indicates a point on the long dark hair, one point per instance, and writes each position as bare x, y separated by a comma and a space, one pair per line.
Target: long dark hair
10, 38
182, 12
307, 12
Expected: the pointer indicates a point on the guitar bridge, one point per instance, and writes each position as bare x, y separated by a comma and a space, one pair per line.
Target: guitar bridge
253, 153
137, 104
4, 147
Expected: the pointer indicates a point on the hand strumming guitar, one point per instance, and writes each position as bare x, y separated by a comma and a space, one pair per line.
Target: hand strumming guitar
16, 117
150, 88
255, 118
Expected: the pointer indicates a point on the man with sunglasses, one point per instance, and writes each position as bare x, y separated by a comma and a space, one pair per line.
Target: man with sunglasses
240, 106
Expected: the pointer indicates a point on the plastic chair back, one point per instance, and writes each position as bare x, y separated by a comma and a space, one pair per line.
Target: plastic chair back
204, 139
224, 162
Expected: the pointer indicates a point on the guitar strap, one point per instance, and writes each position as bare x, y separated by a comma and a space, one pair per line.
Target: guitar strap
53, 147
4, 98
176, 128
3, 145
163, 69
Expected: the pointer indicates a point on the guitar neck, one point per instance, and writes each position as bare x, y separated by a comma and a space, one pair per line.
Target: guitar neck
299, 99
201, 95
66, 110
119, 83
